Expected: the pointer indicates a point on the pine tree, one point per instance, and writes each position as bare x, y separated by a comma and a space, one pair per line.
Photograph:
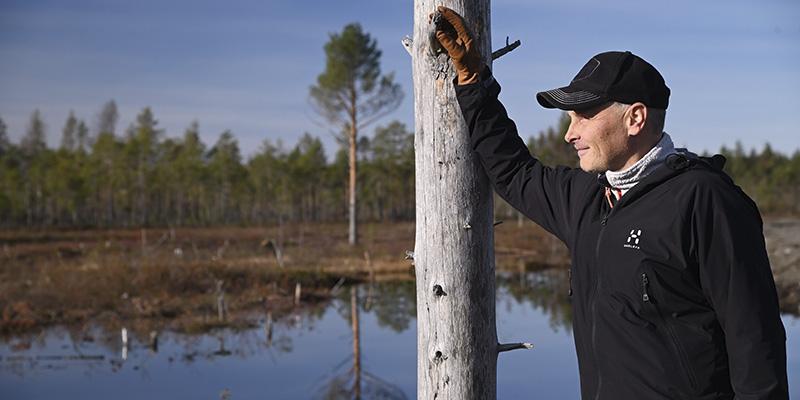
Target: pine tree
141, 151
69, 133
190, 172
351, 94
107, 118
392, 170
227, 176
34, 142
5, 144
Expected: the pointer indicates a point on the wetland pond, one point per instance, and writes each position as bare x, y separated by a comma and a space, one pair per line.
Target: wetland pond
309, 353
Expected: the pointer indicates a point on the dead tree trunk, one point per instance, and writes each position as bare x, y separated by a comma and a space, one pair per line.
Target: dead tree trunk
454, 254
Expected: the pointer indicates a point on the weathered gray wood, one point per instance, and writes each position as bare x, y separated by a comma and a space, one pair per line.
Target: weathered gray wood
453, 254
221, 308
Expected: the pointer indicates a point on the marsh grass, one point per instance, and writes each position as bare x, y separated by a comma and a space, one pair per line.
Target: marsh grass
60, 277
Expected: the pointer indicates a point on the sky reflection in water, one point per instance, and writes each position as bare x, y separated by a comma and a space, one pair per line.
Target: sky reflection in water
311, 353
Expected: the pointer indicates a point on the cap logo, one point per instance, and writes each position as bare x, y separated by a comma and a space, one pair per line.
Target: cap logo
587, 70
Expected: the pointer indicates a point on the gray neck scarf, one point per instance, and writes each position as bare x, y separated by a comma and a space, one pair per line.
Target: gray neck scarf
626, 179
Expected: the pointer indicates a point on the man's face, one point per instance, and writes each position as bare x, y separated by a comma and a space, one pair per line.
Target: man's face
600, 137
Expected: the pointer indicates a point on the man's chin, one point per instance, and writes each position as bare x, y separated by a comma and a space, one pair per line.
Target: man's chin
592, 169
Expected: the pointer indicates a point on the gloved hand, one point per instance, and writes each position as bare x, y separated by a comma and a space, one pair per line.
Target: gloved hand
459, 45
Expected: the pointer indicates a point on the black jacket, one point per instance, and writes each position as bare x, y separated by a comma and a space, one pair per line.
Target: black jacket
672, 292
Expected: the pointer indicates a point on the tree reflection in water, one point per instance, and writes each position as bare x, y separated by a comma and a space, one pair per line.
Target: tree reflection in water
297, 348
546, 289
96, 346
356, 383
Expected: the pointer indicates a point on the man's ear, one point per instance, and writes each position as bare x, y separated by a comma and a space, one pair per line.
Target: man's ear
635, 118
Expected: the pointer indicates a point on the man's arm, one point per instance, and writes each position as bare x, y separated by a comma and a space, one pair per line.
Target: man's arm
545, 195
737, 280
542, 194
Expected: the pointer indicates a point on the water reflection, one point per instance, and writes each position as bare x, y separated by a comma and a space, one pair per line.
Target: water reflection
146, 349
392, 304
359, 345
348, 384
545, 289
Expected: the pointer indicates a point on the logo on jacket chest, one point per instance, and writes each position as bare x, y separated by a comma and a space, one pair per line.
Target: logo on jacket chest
633, 239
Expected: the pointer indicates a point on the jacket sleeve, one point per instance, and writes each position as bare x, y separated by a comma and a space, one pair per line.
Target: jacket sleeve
737, 280
543, 194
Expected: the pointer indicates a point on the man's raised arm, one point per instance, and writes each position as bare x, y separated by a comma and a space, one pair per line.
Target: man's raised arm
545, 195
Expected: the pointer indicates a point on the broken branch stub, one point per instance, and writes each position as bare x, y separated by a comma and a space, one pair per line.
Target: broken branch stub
505, 49
513, 346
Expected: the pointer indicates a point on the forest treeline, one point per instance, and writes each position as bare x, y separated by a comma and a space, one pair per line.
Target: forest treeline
142, 177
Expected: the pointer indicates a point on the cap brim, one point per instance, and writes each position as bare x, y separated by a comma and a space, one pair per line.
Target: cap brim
567, 98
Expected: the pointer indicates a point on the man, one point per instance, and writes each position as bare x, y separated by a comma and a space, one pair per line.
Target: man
672, 292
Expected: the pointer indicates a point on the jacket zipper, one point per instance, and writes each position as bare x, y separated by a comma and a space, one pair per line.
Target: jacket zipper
678, 349
603, 224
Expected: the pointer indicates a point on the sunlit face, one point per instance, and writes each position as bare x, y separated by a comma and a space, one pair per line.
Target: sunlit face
600, 138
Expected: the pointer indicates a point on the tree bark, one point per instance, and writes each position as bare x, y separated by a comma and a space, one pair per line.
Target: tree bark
454, 254
353, 231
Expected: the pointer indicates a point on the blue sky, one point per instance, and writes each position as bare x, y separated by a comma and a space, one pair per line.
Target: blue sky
247, 65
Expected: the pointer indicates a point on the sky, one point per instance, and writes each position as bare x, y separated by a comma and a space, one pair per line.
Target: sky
247, 66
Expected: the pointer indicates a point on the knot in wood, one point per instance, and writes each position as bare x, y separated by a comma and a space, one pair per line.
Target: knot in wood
438, 357
438, 291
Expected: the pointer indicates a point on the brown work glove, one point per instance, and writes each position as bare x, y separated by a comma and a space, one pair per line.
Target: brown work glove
459, 45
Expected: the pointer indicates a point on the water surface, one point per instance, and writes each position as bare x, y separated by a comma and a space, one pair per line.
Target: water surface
309, 353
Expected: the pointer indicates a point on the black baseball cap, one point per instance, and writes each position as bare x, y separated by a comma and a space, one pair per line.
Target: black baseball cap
611, 76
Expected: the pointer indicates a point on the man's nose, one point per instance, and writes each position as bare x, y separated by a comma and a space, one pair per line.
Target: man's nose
570, 136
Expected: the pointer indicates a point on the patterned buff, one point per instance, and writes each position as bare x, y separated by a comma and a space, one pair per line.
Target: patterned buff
624, 180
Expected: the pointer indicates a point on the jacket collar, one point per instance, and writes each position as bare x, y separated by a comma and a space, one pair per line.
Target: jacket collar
674, 164
631, 176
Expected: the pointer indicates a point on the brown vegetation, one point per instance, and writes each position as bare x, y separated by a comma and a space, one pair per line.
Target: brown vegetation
168, 277
49, 277
783, 246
